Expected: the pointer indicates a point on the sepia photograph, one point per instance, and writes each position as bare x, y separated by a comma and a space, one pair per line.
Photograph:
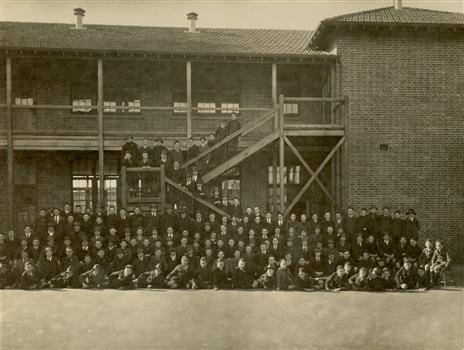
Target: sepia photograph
231, 174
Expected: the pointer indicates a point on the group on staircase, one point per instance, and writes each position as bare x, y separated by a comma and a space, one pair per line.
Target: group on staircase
156, 154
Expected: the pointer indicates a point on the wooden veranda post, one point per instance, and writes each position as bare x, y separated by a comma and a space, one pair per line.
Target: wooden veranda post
163, 188
189, 98
274, 149
281, 153
124, 186
101, 149
10, 147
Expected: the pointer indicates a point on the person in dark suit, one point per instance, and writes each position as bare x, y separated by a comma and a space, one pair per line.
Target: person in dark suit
147, 178
233, 124
241, 277
192, 149
221, 279
157, 148
164, 160
130, 147
145, 148
203, 164
48, 266
397, 227
411, 225
221, 134
176, 153
351, 224
385, 221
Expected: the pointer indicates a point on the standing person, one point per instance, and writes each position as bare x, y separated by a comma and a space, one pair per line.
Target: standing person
176, 153
192, 148
232, 126
411, 225
221, 134
203, 163
130, 147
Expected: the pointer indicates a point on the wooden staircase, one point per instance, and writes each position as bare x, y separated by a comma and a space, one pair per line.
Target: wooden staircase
230, 163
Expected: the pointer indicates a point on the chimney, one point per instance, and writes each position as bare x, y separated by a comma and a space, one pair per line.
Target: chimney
192, 17
79, 13
398, 4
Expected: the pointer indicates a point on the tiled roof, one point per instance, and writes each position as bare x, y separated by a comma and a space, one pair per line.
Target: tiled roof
165, 40
387, 16
405, 15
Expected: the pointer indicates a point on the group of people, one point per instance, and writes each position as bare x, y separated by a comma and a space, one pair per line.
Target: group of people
81, 248
157, 154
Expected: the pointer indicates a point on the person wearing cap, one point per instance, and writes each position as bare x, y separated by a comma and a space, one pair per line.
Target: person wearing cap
94, 278
411, 224
267, 280
406, 276
123, 279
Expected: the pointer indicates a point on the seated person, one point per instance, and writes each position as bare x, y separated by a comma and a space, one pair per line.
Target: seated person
94, 278
181, 276
303, 280
30, 278
360, 280
66, 279
122, 279
203, 276
151, 279
241, 277
388, 282
284, 278
406, 277
337, 281
267, 280
7, 279
440, 261
221, 279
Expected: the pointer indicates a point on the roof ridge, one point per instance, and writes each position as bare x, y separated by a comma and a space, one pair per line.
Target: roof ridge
357, 13
162, 27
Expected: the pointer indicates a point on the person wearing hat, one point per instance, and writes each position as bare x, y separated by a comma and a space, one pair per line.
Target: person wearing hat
267, 280
411, 225
123, 279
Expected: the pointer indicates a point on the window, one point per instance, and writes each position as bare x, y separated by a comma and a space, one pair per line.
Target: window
134, 104
109, 104
180, 107
291, 108
206, 107
82, 105
24, 101
228, 108
82, 191
231, 189
292, 175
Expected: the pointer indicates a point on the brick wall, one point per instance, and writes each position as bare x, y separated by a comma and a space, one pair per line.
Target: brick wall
254, 181
406, 90
54, 180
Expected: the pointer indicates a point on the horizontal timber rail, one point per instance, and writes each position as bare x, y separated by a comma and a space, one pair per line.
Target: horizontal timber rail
199, 200
314, 99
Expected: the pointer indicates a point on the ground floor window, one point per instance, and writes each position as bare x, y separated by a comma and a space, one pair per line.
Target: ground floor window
231, 189
85, 191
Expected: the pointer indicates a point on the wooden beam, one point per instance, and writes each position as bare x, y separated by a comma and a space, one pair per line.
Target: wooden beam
308, 168
230, 163
281, 153
189, 98
313, 177
345, 160
314, 132
274, 180
333, 91
274, 94
101, 149
123, 186
242, 131
163, 188
314, 99
200, 200
10, 147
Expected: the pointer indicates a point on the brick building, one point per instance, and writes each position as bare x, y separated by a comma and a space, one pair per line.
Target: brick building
371, 102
